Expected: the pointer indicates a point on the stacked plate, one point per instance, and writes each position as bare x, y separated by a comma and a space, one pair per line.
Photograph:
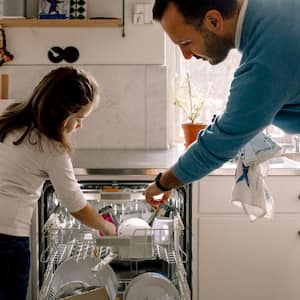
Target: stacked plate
74, 276
134, 227
151, 286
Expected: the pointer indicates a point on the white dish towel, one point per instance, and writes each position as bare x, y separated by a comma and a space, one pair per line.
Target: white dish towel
250, 191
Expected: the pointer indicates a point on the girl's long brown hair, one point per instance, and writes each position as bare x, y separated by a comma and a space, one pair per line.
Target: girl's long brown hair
62, 92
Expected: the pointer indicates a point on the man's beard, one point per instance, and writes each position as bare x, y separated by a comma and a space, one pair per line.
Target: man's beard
217, 48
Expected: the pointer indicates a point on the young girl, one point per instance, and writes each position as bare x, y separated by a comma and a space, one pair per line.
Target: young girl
34, 146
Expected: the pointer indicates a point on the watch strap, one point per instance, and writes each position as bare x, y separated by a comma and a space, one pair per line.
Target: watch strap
158, 184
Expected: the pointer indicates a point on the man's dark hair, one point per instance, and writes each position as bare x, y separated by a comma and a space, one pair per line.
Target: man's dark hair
194, 11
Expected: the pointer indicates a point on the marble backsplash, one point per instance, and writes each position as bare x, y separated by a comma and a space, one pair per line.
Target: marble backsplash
132, 113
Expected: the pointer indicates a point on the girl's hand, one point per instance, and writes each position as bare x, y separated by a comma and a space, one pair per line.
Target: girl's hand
109, 228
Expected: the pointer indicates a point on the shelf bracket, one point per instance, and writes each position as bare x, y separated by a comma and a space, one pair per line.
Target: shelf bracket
123, 18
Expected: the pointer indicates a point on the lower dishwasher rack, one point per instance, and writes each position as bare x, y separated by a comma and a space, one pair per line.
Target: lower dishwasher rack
134, 254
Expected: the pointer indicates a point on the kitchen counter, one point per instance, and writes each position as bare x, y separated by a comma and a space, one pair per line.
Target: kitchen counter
278, 167
150, 162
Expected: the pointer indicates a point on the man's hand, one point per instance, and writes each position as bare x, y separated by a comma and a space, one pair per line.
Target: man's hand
151, 191
168, 180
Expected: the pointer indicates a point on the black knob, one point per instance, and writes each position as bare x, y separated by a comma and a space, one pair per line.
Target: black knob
56, 54
71, 54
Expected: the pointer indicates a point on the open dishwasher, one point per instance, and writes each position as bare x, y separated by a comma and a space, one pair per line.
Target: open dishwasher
153, 258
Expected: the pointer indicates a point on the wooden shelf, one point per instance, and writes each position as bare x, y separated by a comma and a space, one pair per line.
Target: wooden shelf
105, 22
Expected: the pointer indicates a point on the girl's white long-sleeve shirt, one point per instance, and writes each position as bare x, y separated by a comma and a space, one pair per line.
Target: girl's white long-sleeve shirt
23, 171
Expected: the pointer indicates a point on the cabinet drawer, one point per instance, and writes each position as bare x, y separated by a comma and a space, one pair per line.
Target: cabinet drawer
215, 194
286, 193
238, 260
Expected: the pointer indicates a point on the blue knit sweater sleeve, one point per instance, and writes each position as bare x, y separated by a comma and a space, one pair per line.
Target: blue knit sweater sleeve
252, 105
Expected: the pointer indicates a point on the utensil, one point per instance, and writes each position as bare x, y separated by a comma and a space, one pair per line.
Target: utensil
109, 210
161, 205
152, 217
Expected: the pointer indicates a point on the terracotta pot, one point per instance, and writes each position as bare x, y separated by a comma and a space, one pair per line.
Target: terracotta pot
190, 131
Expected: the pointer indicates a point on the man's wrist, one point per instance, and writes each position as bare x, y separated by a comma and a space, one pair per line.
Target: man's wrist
159, 185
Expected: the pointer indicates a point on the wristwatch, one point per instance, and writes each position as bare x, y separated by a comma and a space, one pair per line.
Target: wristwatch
157, 183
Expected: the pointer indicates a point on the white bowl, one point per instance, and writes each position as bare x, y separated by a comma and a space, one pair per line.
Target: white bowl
134, 227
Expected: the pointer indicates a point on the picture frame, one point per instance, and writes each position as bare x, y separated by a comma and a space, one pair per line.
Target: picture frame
78, 9
54, 9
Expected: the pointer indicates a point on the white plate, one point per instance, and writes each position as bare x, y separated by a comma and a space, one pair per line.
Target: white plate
151, 286
81, 271
134, 226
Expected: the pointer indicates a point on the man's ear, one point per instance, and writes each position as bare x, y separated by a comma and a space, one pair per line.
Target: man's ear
214, 21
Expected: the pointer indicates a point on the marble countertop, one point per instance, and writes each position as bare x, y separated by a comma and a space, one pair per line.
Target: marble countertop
150, 162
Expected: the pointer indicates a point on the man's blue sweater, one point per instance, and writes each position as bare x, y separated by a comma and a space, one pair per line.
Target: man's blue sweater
265, 89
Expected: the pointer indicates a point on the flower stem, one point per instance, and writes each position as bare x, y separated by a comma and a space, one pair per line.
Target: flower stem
190, 96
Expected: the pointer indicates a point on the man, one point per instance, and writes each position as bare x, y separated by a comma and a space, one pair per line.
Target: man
266, 86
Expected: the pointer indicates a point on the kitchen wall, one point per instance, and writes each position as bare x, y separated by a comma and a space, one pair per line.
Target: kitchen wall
131, 71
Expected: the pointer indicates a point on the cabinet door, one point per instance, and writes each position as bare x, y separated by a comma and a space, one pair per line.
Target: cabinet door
215, 194
239, 260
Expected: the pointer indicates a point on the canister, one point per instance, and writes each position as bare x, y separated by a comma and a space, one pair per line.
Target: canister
15, 8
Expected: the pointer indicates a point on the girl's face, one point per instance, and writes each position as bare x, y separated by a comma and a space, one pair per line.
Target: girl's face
75, 121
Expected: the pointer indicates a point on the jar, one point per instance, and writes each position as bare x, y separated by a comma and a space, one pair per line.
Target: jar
15, 8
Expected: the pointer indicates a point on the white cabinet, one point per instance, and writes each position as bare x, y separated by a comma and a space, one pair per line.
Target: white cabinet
235, 259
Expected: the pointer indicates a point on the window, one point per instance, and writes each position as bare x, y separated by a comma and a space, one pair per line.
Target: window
214, 84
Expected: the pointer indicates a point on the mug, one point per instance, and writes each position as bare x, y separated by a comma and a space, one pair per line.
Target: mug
163, 230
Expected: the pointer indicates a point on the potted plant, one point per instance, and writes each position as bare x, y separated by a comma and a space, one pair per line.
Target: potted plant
191, 105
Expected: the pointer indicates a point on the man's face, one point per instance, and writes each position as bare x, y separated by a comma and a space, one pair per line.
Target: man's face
201, 44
